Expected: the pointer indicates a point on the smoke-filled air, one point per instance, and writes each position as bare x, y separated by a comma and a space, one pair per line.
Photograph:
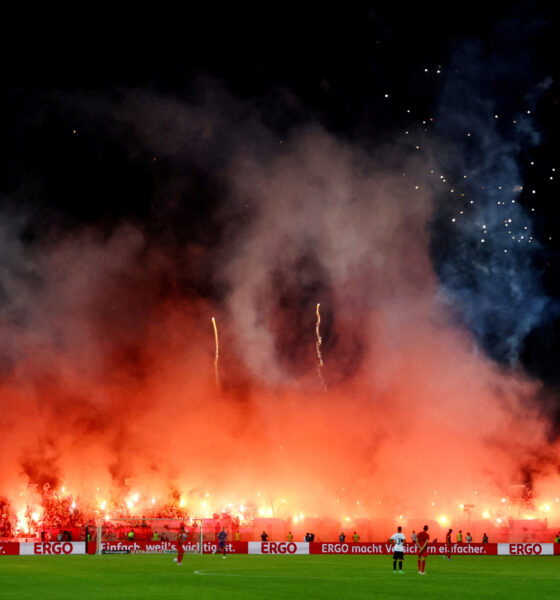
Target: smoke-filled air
318, 352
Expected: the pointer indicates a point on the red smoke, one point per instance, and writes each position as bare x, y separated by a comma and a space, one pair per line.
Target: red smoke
111, 388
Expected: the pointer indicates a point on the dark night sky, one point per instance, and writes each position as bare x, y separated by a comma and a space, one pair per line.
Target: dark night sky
291, 68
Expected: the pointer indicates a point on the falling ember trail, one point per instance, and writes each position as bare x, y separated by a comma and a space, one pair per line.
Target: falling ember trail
217, 352
318, 348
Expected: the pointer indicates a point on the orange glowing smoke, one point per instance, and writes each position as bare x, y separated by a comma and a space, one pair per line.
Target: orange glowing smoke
111, 389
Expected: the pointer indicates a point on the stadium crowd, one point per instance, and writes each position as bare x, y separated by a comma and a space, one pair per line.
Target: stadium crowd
62, 520
56, 515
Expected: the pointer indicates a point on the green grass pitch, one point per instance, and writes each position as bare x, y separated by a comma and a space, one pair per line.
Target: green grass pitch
247, 577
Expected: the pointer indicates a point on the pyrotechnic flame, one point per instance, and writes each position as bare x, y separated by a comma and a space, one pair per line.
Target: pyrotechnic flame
216, 372
318, 348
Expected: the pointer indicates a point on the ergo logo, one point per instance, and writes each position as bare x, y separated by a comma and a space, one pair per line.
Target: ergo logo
53, 548
525, 549
279, 547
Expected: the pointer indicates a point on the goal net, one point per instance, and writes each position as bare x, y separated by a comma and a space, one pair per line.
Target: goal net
143, 535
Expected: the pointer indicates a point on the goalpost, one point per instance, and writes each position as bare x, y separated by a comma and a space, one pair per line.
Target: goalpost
140, 534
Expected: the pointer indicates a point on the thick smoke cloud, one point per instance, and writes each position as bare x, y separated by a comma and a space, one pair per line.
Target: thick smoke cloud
484, 248
108, 364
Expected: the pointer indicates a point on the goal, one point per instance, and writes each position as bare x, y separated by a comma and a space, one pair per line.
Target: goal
142, 535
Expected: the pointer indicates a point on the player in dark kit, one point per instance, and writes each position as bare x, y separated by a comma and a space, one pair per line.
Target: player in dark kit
448, 545
222, 539
181, 539
422, 540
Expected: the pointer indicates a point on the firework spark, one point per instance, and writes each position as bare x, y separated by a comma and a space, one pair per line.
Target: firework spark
318, 347
217, 358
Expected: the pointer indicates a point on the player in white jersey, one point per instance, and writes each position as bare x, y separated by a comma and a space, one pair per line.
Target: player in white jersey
398, 540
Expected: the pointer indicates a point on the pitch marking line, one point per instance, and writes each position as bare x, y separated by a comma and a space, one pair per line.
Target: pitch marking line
208, 572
